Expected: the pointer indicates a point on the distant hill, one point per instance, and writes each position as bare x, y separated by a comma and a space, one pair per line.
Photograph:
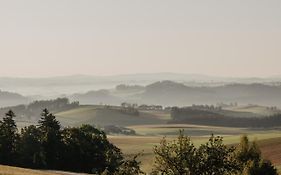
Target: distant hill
96, 97
169, 93
52, 87
11, 99
31, 113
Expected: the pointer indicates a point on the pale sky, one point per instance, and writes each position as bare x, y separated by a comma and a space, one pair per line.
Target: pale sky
106, 37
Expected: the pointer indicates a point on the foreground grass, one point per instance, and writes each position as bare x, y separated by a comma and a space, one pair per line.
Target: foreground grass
279, 169
9, 170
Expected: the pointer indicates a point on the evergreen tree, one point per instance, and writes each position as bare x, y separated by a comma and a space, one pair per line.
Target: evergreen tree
8, 139
31, 154
50, 139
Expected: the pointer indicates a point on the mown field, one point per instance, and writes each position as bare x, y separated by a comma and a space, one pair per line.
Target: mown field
101, 116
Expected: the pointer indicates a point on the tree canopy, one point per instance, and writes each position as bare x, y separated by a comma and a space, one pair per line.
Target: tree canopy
49, 146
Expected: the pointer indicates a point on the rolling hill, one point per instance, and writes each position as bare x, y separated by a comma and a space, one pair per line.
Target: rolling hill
181, 90
100, 116
12, 99
255, 109
169, 93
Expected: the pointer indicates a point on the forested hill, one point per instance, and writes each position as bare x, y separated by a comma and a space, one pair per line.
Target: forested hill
11, 99
33, 110
219, 117
170, 93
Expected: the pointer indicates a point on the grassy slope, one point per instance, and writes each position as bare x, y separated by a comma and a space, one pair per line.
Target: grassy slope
191, 130
239, 114
254, 109
272, 149
100, 116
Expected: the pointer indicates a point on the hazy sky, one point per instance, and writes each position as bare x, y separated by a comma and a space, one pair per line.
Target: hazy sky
102, 37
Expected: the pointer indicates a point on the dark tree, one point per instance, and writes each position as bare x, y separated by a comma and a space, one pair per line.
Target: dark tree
248, 156
180, 157
50, 139
177, 157
129, 166
8, 139
86, 149
30, 150
48, 146
216, 158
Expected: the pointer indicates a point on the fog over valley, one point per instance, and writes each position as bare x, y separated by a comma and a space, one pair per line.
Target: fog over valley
140, 87
160, 88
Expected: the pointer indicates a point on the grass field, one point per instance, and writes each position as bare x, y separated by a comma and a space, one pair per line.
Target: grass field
192, 130
254, 109
101, 116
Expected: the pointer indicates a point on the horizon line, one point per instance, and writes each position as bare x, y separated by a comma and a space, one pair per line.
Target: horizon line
141, 73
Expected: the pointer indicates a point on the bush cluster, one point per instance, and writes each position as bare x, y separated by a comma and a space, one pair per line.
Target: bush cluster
181, 157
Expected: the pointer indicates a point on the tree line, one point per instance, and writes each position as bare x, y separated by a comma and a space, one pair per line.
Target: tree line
206, 117
49, 146
33, 110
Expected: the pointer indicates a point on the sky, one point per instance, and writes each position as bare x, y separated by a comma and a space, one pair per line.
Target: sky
237, 38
